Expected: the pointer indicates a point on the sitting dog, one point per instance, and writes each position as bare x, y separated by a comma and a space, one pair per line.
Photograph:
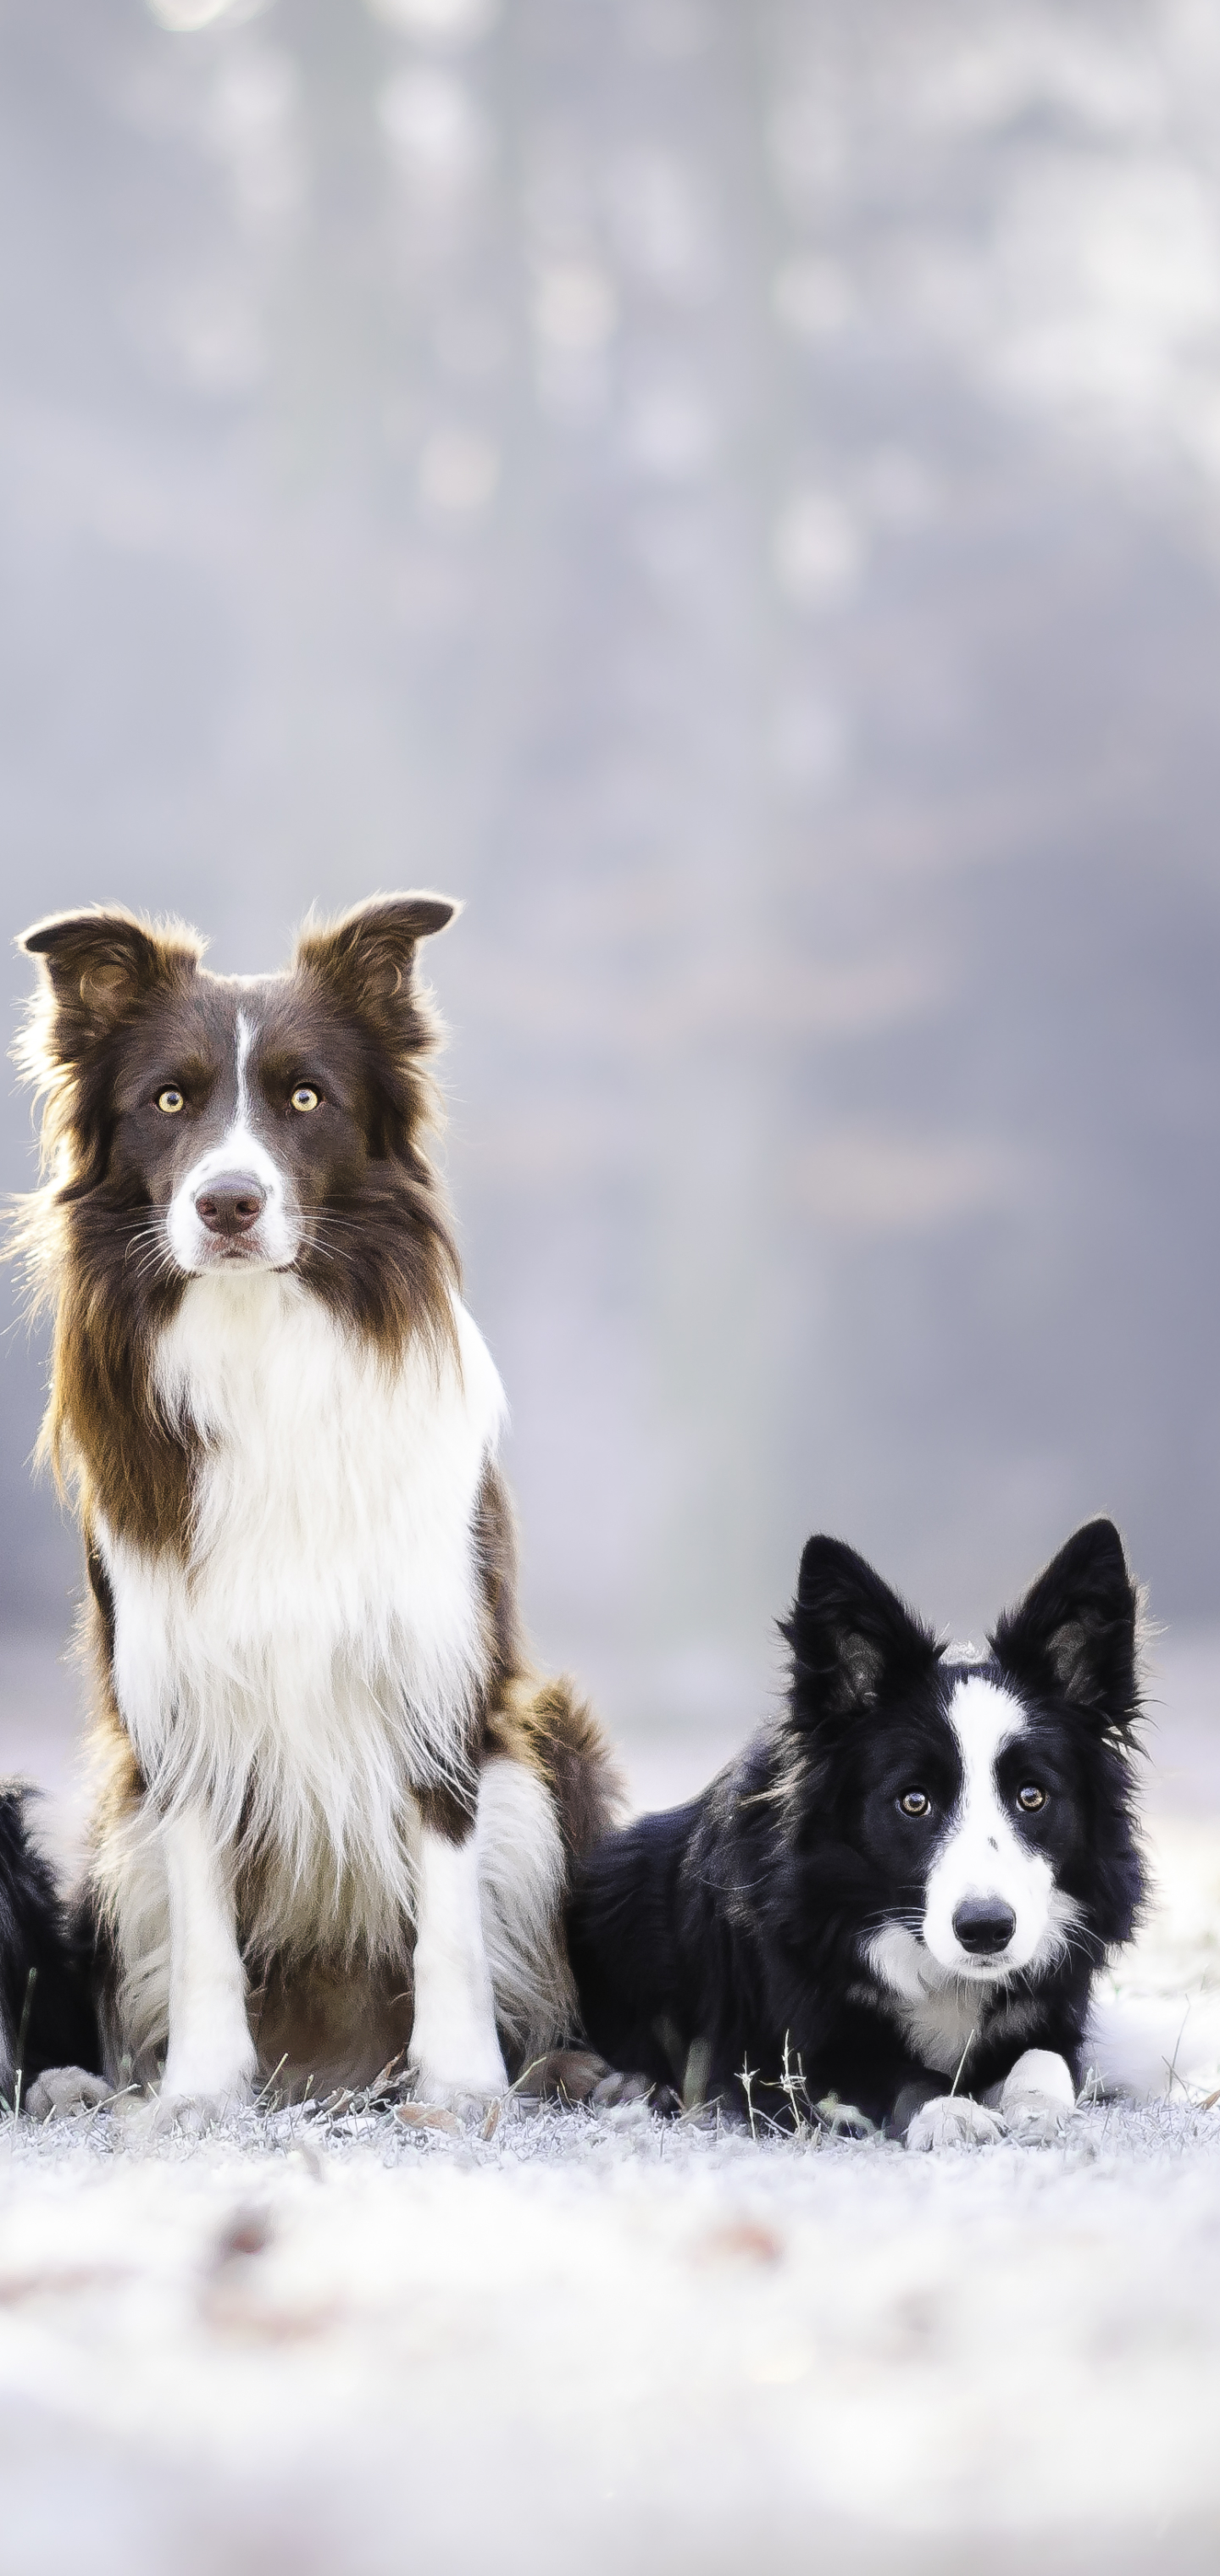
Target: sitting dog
338, 1809
899, 1895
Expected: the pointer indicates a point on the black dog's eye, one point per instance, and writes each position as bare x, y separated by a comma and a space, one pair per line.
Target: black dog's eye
914, 1802
170, 1100
1031, 1798
305, 1097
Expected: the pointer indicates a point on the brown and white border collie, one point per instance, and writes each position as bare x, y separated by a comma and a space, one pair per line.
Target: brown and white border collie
337, 1809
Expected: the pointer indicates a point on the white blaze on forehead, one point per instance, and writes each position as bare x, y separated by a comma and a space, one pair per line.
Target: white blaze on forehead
983, 1855
245, 1036
984, 1718
237, 1149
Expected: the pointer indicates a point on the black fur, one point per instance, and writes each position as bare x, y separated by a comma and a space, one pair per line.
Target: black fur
45, 1999
715, 1937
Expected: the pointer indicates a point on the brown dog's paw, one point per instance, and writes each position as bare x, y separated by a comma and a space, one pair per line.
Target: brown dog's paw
621, 2092
564, 2075
61, 2090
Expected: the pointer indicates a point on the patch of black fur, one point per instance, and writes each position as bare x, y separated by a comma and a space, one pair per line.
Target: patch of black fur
716, 1936
50, 2021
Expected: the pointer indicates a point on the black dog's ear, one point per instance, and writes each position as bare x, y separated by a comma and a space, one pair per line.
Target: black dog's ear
850, 1635
367, 956
1073, 1637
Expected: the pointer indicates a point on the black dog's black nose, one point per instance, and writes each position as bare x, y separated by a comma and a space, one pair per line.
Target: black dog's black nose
984, 1924
231, 1204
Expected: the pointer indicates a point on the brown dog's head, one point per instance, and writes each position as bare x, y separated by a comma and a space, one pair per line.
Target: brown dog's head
241, 1123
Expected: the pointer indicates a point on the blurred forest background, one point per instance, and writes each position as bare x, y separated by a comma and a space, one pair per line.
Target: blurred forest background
731, 488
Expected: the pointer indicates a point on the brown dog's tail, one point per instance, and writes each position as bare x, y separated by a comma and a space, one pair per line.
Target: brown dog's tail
548, 1725
581, 1771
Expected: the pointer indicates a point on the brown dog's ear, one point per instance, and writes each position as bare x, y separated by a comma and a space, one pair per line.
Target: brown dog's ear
368, 955
97, 968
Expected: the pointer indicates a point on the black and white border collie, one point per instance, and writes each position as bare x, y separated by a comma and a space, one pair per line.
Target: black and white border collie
902, 1890
338, 1807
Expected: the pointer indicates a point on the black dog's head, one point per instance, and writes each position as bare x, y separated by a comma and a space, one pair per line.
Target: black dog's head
989, 1802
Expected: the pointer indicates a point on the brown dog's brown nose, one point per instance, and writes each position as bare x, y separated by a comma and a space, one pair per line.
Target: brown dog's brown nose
231, 1204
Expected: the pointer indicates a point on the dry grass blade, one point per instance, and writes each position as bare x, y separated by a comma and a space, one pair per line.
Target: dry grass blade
427, 2115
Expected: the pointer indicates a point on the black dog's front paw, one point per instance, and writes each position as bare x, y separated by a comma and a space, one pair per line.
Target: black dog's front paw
912, 2099
953, 2121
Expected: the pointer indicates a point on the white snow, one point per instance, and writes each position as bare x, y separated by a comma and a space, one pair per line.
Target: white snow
601, 2341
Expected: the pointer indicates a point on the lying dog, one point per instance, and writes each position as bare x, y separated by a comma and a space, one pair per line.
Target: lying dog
899, 1895
338, 1809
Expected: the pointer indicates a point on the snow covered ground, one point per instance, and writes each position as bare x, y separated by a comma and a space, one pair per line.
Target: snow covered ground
595, 2342
599, 2341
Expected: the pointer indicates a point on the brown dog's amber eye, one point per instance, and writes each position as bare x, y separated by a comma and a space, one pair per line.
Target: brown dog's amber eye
1031, 1798
305, 1097
914, 1802
171, 1101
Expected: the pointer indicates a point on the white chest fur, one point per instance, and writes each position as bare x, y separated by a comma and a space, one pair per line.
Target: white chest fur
941, 2014
937, 2011
322, 1645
